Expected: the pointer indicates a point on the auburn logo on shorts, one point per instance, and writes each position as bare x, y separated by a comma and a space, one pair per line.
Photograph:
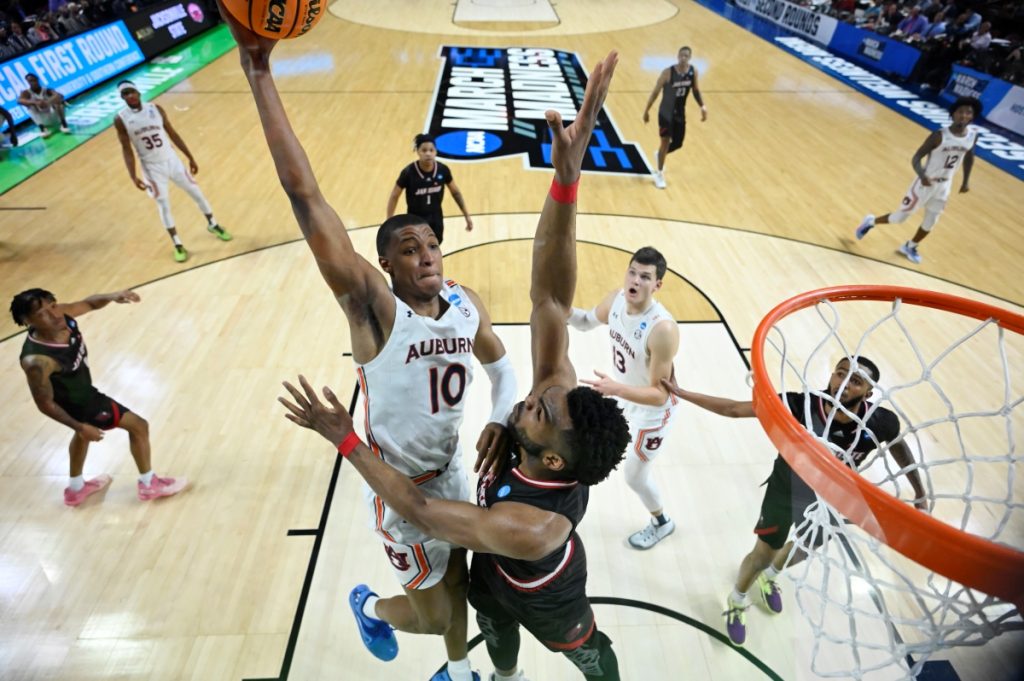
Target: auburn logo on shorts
399, 560
653, 443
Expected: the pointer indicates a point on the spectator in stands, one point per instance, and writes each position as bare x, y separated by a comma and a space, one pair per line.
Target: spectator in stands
914, 25
42, 33
18, 40
6, 49
937, 29
1012, 67
959, 29
889, 19
975, 49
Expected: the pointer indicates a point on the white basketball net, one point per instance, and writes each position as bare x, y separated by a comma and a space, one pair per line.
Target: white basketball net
958, 389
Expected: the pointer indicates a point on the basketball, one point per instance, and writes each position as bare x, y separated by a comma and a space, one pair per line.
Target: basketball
277, 19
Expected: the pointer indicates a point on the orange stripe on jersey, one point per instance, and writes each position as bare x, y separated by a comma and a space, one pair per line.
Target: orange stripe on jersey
374, 447
378, 507
424, 566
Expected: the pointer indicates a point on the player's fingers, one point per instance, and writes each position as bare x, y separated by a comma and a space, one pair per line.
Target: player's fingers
291, 407
554, 120
600, 374
310, 393
298, 421
296, 395
332, 399
586, 381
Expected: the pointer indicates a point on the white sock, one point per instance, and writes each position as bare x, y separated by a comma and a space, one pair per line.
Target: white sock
175, 239
370, 607
459, 670
146, 479
770, 573
76, 483
515, 677
739, 598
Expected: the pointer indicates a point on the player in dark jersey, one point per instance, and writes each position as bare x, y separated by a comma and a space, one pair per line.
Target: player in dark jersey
787, 496
423, 183
674, 84
56, 364
529, 566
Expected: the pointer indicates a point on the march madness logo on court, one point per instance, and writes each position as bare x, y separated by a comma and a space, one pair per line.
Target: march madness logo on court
489, 103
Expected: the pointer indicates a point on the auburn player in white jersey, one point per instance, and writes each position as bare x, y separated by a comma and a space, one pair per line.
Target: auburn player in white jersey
413, 343
946, 149
644, 340
147, 128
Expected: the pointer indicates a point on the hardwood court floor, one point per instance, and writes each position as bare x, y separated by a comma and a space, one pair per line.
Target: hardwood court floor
761, 204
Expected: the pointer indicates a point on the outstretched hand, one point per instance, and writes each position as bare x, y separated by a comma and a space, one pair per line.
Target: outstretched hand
331, 420
253, 49
491, 449
569, 144
125, 297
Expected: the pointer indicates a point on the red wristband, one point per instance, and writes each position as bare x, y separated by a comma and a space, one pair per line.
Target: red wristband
564, 193
350, 442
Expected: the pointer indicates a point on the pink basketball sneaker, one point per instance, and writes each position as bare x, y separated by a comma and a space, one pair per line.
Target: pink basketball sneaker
91, 487
161, 487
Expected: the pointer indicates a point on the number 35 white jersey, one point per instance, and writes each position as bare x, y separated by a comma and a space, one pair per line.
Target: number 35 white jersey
146, 129
413, 390
628, 335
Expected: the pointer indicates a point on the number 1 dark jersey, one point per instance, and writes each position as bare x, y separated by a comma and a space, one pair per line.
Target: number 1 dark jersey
424, 191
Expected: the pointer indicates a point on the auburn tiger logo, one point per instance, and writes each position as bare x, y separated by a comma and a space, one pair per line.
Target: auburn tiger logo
399, 560
653, 443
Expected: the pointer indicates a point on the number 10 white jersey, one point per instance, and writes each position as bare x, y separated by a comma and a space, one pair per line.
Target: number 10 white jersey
146, 129
414, 389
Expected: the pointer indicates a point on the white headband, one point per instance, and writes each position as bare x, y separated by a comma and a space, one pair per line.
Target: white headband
127, 85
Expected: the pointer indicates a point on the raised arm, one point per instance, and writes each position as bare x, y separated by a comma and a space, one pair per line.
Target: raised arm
508, 529
95, 302
37, 370
719, 405
361, 289
553, 278
127, 152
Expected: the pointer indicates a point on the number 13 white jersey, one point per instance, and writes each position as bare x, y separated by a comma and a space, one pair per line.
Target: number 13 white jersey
628, 335
414, 389
146, 130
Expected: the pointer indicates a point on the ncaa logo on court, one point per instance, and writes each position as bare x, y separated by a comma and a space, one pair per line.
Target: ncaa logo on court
489, 103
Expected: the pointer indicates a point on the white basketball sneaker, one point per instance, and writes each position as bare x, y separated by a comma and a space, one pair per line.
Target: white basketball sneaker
659, 179
652, 534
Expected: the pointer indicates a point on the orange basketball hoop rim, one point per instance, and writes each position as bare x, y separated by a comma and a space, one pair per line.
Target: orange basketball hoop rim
960, 556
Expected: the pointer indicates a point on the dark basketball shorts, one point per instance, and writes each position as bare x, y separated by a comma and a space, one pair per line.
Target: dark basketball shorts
97, 409
675, 129
782, 507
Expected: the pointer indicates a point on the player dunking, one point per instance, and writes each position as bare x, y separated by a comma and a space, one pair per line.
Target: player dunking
786, 496
674, 84
423, 183
56, 364
644, 339
529, 565
149, 130
413, 343
946, 149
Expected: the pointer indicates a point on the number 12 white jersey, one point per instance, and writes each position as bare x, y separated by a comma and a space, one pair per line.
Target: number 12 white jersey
949, 155
414, 389
628, 335
146, 129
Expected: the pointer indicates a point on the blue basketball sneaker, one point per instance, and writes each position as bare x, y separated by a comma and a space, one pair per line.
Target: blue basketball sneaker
443, 676
377, 635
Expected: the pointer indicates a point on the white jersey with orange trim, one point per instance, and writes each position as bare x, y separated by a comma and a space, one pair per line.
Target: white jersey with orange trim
949, 155
631, 360
146, 129
414, 389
